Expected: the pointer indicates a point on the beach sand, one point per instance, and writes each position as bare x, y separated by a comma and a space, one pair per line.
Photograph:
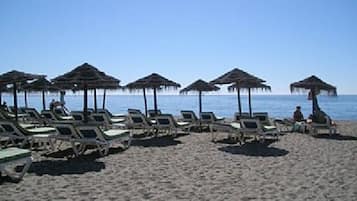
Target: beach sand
191, 167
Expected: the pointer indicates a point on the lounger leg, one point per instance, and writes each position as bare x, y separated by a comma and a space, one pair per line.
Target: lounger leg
18, 176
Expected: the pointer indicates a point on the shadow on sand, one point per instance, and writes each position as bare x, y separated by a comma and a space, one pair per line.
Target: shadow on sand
78, 165
90, 153
160, 141
255, 148
335, 137
225, 141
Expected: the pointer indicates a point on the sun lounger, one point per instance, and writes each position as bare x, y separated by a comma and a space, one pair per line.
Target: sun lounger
238, 116
137, 121
207, 118
103, 140
265, 121
51, 116
134, 111
166, 122
233, 130
103, 120
14, 132
34, 116
152, 113
116, 117
12, 157
253, 127
328, 125
120, 118
190, 116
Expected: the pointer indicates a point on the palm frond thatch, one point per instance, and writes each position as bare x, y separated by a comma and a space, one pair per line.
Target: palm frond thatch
17, 76
87, 76
153, 81
313, 83
199, 85
236, 76
257, 86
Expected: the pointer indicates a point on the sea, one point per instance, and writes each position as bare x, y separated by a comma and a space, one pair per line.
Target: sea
342, 107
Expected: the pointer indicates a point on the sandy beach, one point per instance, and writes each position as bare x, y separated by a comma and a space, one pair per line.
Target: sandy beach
191, 167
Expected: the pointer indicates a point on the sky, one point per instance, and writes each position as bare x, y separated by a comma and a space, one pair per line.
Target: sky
280, 41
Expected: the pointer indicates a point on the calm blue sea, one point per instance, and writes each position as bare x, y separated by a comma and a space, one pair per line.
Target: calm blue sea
343, 107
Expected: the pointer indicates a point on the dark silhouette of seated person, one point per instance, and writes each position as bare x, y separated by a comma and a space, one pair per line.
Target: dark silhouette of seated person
298, 116
299, 121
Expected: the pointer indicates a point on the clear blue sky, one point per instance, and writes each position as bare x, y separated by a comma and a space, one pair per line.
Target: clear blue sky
281, 41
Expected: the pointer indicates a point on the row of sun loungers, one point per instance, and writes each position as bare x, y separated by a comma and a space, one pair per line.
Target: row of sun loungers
53, 128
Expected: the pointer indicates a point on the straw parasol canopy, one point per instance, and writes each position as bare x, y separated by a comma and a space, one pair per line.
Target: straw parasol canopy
155, 82
199, 86
14, 77
41, 85
85, 77
240, 78
315, 86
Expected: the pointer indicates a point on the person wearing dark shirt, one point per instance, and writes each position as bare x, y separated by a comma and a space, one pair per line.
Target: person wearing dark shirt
299, 124
298, 116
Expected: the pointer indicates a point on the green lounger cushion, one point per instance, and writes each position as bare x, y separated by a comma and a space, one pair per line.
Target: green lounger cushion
13, 153
117, 120
41, 130
269, 128
236, 125
115, 133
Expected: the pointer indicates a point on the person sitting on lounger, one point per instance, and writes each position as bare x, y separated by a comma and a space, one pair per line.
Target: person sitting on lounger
299, 122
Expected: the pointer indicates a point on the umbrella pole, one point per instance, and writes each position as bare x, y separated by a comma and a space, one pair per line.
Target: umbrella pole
200, 101
85, 103
0, 98
155, 102
239, 103
26, 99
95, 100
15, 100
43, 100
250, 102
315, 105
104, 94
145, 103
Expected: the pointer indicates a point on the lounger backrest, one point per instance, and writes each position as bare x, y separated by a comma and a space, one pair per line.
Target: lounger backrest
134, 111
165, 120
77, 116
153, 114
189, 115
238, 116
101, 118
138, 119
252, 125
208, 117
66, 130
32, 112
90, 132
105, 111
13, 128
5, 115
48, 114
262, 116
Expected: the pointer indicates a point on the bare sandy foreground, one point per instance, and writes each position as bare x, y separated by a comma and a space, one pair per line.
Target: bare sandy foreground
191, 167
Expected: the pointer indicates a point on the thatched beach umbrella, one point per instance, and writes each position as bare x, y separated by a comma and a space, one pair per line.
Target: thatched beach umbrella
15, 77
153, 81
249, 87
199, 86
315, 85
238, 77
85, 77
41, 85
